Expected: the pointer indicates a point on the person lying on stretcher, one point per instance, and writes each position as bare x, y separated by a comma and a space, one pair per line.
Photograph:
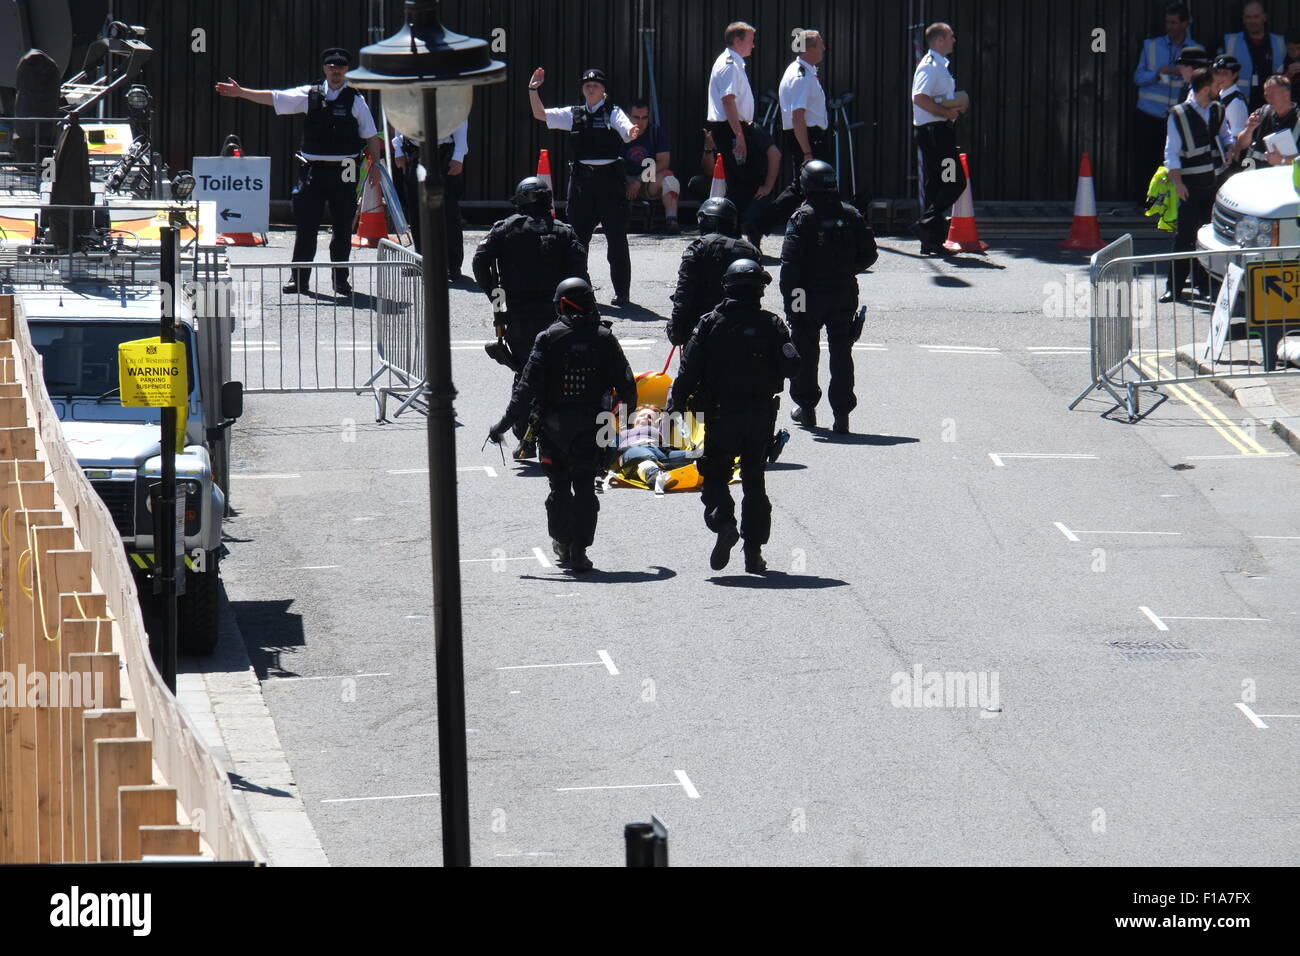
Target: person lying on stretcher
642, 453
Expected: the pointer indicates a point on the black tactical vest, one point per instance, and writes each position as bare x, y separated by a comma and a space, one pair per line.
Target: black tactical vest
331, 128
593, 135
741, 359
577, 359
1201, 153
829, 243
534, 251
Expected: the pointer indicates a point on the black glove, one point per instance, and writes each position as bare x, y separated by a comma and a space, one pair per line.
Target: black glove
497, 432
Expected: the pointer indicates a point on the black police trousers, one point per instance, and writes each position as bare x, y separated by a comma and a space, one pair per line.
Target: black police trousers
523, 325
1193, 213
453, 190
791, 198
805, 332
944, 181
597, 194
318, 184
747, 435
570, 460
744, 181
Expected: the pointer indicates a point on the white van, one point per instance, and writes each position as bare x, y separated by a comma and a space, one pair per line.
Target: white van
1255, 208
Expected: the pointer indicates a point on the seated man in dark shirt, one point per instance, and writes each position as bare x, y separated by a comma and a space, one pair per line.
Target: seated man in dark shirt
645, 162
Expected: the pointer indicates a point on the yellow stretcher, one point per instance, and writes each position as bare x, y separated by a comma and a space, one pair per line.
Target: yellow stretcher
652, 389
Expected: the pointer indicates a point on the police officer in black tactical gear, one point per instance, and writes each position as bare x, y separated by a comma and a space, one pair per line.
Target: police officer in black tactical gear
827, 243
338, 126
699, 278
734, 365
518, 265
597, 190
573, 366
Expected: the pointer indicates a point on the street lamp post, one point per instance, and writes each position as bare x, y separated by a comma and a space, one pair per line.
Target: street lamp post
411, 68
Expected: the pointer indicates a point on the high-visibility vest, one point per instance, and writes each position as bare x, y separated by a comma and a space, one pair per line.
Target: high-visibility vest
1201, 152
1235, 44
1162, 200
1155, 98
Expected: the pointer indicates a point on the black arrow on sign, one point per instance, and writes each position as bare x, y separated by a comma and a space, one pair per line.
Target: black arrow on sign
1274, 284
231, 214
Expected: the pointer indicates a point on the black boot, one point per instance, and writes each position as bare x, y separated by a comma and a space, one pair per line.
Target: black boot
578, 560
807, 417
727, 539
754, 563
561, 553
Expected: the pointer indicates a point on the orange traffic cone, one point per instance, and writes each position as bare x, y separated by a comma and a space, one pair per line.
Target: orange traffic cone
1085, 233
962, 234
718, 189
372, 221
239, 238
544, 174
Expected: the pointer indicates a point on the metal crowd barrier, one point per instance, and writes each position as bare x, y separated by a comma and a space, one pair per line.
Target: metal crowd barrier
323, 342
108, 139
1137, 342
401, 343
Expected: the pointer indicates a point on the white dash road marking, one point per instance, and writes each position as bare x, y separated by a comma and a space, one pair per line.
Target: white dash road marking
529, 667
1151, 616
1057, 348
1174, 617
285, 680
609, 663
399, 796
316, 567
997, 457
531, 557
1069, 535
486, 469
253, 477
1277, 537
1251, 716
961, 348
621, 786
541, 558
687, 785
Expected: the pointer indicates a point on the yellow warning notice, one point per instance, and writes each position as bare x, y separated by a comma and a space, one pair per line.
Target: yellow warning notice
153, 373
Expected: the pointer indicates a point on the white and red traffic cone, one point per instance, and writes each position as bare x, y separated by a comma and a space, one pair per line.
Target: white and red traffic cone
544, 174
963, 235
718, 188
1085, 232
372, 219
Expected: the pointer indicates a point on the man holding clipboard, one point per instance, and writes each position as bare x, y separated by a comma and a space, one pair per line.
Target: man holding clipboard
1272, 131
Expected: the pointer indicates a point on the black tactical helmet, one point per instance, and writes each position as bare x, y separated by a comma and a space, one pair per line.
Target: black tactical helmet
745, 274
532, 193
574, 296
718, 215
818, 177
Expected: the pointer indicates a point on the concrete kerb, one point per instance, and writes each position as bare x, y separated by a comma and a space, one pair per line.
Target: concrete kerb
1273, 402
224, 697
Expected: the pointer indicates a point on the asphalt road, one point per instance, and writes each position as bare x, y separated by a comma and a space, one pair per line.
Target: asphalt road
1116, 603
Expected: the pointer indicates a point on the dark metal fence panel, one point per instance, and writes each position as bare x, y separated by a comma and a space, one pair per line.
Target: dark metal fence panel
1041, 96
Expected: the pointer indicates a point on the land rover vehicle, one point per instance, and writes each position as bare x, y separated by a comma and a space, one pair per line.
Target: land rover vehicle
77, 332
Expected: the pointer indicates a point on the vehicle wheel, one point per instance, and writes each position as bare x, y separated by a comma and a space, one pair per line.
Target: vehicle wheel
196, 613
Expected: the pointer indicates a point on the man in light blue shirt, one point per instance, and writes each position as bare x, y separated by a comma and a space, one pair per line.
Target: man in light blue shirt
1159, 87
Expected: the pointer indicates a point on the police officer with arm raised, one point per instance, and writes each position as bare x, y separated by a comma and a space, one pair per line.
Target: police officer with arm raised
518, 265
597, 190
573, 365
827, 244
338, 126
734, 365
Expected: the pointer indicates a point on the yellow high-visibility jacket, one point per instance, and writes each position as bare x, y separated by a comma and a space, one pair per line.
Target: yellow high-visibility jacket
1162, 200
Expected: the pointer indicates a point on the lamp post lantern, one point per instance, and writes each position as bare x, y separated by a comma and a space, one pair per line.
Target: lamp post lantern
427, 76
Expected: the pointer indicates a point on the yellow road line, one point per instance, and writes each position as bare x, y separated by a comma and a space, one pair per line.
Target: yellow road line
1232, 433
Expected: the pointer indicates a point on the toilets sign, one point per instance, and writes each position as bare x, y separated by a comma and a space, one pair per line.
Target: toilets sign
241, 188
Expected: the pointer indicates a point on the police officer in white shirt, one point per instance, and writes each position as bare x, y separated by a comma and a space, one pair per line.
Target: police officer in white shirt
597, 191
943, 178
731, 99
338, 126
804, 119
1235, 114
451, 159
